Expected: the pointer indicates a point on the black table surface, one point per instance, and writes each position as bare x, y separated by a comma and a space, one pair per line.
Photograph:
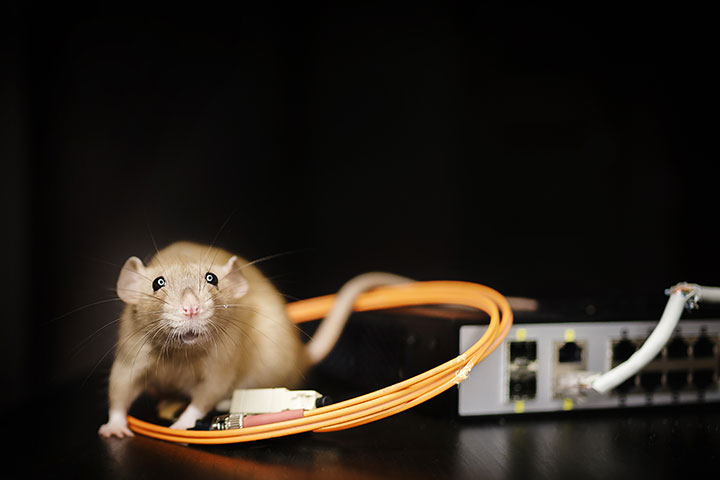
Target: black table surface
57, 438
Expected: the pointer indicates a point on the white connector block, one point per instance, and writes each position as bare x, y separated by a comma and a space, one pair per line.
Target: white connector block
253, 401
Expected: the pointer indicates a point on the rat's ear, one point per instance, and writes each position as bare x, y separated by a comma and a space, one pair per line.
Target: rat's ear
132, 281
232, 281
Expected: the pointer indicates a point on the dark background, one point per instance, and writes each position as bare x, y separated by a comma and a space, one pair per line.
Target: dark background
544, 153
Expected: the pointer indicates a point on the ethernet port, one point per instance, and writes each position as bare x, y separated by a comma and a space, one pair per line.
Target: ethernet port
702, 379
623, 350
625, 387
523, 385
677, 380
650, 381
677, 348
703, 347
571, 352
523, 350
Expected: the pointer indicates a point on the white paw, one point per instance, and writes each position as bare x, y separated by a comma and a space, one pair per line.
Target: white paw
183, 424
188, 418
115, 429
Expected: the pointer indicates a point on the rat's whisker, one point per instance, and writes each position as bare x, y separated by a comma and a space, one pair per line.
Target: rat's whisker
78, 309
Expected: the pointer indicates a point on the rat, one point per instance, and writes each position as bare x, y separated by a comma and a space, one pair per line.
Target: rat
202, 322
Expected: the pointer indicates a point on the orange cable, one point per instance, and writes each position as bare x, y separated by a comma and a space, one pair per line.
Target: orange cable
386, 401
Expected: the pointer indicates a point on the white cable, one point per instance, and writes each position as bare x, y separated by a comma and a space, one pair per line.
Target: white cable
652, 346
708, 294
681, 295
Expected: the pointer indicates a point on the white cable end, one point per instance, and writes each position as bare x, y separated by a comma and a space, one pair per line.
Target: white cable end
691, 292
576, 384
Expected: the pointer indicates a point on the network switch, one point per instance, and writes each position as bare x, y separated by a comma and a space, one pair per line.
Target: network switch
525, 372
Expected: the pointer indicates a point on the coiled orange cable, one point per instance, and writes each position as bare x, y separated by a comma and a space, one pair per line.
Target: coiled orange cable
386, 401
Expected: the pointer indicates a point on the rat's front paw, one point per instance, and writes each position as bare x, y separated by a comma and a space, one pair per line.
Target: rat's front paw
183, 424
188, 418
115, 429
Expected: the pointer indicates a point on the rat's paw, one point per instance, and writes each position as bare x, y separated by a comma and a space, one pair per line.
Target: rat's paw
183, 423
115, 429
188, 418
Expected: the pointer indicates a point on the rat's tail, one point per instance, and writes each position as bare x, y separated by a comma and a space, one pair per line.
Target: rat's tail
332, 325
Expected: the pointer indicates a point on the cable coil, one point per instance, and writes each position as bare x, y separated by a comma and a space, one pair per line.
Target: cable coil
386, 401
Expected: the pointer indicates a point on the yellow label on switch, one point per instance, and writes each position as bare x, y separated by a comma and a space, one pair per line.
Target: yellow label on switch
521, 334
569, 335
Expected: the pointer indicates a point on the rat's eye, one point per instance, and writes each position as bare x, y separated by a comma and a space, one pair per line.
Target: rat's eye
159, 283
211, 278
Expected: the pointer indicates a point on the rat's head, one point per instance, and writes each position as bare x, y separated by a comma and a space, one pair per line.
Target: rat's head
178, 301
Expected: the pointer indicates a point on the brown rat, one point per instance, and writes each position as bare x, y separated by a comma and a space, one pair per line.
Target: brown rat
202, 322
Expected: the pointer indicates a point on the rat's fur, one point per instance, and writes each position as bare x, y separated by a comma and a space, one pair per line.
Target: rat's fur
241, 336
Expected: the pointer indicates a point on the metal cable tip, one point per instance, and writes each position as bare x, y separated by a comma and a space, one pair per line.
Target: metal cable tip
227, 421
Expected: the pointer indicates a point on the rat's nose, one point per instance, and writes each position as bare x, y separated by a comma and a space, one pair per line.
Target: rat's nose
190, 304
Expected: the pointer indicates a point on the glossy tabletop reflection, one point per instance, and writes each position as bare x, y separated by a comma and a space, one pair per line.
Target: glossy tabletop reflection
657, 443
